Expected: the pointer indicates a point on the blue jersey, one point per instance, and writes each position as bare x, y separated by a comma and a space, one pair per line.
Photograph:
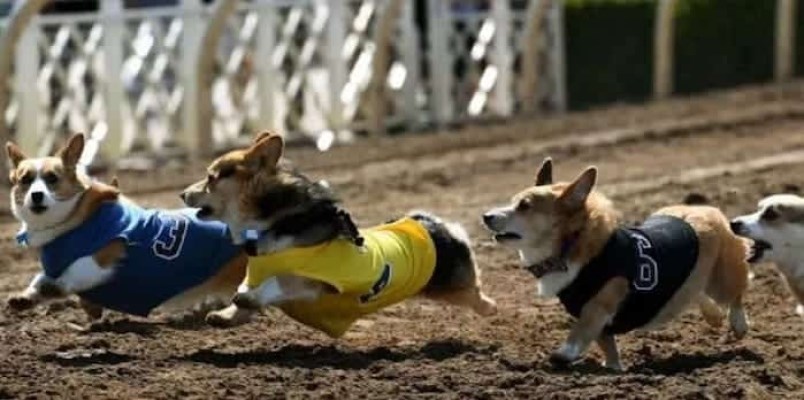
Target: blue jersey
167, 253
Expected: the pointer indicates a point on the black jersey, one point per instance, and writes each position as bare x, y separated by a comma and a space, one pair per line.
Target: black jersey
656, 258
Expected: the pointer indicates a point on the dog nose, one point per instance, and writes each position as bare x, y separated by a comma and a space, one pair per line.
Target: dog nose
736, 226
488, 218
37, 197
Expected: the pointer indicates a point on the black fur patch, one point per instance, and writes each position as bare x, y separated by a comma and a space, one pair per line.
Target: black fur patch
452, 255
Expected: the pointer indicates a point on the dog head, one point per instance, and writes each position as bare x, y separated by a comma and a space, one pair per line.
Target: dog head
777, 227
251, 188
541, 219
45, 191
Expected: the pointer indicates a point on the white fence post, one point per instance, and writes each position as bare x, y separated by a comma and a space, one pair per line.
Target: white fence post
114, 95
336, 64
204, 67
30, 123
18, 20
558, 56
193, 20
502, 101
785, 39
411, 58
439, 27
264, 67
663, 49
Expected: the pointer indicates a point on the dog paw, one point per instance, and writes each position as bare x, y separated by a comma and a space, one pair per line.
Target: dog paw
613, 366
228, 317
800, 310
245, 301
566, 355
486, 308
20, 303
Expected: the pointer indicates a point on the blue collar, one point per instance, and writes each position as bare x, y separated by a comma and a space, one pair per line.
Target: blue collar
22, 238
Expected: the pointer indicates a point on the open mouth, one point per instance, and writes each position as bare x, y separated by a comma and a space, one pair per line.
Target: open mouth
38, 209
505, 236
204, 212
758, 250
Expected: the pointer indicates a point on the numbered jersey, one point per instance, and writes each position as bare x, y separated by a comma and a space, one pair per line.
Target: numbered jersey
397, 262
167, 253
656, 258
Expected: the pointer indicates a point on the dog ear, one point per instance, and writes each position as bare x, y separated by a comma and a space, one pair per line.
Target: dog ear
545, 174
70, 154
265, 153
115, 182
15, 155
262, 136
574, 196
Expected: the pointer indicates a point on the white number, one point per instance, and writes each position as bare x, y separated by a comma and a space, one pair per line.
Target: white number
648, 276
170, 240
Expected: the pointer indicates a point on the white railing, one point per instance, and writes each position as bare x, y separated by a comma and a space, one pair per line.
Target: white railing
193, 78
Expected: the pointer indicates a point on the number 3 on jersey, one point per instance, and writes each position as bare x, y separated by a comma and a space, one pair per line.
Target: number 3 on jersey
648, 274
170, 240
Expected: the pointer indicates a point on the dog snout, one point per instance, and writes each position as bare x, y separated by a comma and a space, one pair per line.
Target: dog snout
37, 198
737, 226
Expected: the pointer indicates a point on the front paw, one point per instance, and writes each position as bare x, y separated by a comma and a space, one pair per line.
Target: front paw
566, 355
246, 301
228, 317
21, 302
51, 290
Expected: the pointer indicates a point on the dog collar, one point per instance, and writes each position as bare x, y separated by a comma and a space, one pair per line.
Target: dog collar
22, 238
550, 265
555, 263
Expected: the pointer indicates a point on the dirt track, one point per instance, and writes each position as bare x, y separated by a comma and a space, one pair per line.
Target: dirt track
649, 157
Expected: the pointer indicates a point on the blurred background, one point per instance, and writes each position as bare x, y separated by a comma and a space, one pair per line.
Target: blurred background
157, 80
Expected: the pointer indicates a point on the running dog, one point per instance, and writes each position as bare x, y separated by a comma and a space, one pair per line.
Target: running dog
112, 253
309, 259
777, 228
614, 279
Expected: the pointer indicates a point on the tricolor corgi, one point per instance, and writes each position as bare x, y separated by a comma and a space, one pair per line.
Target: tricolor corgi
613, 278
308, 258
112, 253
777, 228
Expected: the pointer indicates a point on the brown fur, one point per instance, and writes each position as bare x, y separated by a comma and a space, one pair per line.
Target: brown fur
573, 212
68, 183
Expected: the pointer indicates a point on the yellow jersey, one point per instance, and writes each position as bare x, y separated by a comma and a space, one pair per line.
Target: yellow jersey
396, 263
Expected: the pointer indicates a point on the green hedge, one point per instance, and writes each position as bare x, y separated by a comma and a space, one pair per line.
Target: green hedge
718, 43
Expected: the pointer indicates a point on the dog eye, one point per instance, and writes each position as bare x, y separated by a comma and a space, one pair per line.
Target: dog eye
523, 206
770, 214
50, 178
27, 179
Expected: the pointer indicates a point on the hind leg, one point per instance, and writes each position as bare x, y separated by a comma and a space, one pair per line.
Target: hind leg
712, 313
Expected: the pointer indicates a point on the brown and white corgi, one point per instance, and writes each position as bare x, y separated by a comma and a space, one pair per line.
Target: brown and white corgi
612, 278
113, 254
777, 228
308, 258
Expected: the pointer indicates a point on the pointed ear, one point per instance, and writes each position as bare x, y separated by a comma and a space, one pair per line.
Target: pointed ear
265, 153
262, 136
545, 174
574, 196
70, 154
15, 155
115, 182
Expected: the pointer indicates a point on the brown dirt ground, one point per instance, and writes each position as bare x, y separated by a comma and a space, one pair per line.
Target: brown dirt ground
420, 349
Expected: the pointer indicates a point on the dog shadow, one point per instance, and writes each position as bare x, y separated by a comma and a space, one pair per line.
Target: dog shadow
86, 358
686, 363
320, 356
140, 328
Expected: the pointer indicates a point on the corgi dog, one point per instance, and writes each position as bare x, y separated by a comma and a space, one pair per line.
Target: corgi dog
612, 278
308, 258
777, 229
112, 253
